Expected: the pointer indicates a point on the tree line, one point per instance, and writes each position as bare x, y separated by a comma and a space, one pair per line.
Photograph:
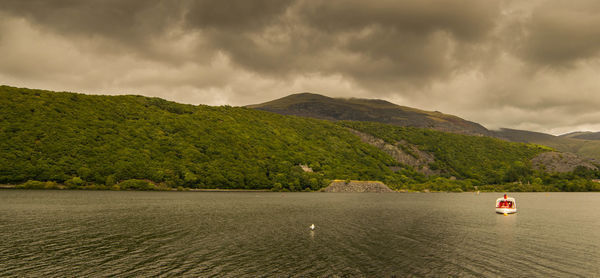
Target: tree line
62, 139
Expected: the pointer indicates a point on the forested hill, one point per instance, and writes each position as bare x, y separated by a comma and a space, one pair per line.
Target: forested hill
82, 139
376, 110
104, 139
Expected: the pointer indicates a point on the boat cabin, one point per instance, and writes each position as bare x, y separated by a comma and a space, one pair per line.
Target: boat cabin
506, 205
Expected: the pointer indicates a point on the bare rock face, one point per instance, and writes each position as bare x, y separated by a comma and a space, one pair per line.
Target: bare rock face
357, 186
559, 162
402, 152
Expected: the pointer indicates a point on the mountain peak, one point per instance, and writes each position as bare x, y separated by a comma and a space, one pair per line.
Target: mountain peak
371, 110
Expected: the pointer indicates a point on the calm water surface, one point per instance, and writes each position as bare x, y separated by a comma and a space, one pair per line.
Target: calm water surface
200, 234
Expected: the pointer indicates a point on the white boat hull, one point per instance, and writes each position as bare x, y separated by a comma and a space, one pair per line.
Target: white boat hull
506, 210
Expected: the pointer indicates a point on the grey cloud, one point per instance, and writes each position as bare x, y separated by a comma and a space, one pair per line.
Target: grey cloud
560, 33
278, 38
469, 57
465, 19
123, 20
235, 15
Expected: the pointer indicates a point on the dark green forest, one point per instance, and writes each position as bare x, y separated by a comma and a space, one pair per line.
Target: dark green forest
486, 162
49, 136
133, 142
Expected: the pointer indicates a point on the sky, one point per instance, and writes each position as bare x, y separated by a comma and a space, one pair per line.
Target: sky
529, 64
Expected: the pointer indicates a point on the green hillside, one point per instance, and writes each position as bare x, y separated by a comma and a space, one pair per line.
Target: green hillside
104, 139
485, 159
486, 162
136, 142
583, 146
375, 110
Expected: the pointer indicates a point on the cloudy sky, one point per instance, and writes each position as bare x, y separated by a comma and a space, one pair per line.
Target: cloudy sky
529, 64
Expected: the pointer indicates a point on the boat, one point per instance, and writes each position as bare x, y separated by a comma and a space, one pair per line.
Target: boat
506, 205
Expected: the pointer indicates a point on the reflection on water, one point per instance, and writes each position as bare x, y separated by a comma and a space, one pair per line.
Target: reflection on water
505, 229
83, 233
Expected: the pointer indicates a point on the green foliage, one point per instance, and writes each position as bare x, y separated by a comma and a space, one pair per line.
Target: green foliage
485, 159
31, 184
134, 184
571, 144
93, 142
75, 182
52, 136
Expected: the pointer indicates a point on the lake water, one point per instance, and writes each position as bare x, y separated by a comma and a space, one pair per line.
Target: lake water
200, 234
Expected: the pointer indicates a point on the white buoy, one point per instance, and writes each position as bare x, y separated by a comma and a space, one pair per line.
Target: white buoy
312, 227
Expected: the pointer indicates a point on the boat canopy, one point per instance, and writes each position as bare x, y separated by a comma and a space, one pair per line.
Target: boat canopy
506, 202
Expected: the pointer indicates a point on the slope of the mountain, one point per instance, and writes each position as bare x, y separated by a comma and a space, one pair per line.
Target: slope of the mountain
584, 148
523, 135
586, 135
372, 110
53, 136
102, 140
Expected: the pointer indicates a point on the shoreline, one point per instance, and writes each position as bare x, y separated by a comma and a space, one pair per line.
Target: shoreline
15, 187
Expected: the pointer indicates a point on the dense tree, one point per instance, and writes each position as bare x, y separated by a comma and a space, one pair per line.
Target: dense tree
134, 142
51, 136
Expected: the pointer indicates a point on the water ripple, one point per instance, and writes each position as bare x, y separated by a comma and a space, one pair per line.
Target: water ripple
167, 234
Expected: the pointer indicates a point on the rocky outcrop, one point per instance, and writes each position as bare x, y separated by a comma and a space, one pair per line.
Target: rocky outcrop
357, 186
559, 162
402, 152
305, 168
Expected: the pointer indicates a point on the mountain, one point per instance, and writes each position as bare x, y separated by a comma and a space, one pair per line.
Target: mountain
586, 135
57, 136
526, 136
372, 110
92, 141
572, 143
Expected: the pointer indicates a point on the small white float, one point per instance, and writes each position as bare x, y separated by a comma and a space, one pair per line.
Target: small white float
506, 205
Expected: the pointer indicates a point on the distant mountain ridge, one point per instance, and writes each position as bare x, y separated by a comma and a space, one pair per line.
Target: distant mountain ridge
584, 144
586, 135
370, 110
571, 143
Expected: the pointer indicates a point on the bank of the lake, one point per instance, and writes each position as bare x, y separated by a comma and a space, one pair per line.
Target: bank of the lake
356, 186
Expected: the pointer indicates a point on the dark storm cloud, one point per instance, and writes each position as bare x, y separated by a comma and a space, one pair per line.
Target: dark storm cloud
127, 21
384, 41
389, 40
235, 15
468, 19
562, 32
498, 62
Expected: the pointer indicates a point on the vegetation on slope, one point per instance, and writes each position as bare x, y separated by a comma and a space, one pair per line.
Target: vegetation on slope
374, 110
479, 160
133, 142
573, 144
50, 136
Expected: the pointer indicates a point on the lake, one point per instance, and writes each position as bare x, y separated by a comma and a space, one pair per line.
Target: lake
264, 234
